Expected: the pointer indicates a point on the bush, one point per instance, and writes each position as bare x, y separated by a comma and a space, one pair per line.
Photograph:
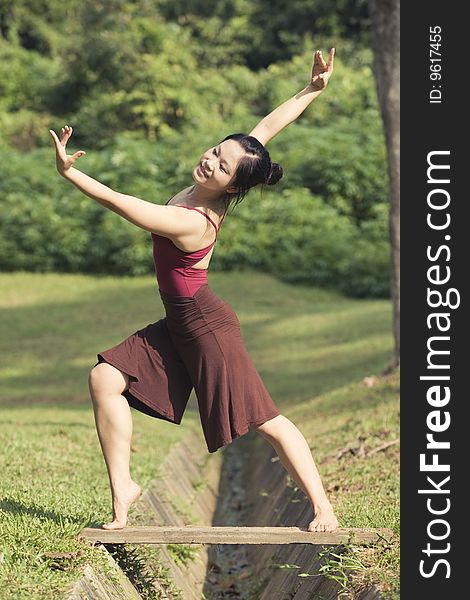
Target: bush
25, 77
301, 239
336, 148
48, 225
146, 113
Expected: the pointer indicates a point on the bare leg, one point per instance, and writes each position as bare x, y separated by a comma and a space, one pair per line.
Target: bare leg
296, 457
114, 426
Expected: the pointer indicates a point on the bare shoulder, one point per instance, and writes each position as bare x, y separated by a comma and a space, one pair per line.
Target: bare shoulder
181, 199
203, 233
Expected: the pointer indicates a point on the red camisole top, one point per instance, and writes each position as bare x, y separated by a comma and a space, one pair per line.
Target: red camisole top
174, 268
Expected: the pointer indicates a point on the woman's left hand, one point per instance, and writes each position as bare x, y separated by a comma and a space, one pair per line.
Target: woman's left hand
63, 160
321, 70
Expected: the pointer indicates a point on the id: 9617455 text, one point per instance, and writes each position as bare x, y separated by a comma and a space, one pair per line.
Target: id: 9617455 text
435, 64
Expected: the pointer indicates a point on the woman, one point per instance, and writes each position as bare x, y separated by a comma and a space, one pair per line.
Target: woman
198, 343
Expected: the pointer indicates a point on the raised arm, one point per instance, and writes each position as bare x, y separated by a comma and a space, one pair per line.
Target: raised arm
289, 110
162, 220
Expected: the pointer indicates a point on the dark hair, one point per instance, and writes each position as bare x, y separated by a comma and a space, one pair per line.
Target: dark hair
254, 169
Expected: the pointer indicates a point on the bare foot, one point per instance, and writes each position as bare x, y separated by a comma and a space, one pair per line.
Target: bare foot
324, 520
121, 506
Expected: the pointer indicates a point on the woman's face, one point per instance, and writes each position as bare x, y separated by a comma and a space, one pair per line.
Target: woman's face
217, 166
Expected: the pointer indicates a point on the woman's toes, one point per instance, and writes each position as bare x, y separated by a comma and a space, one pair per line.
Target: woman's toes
320, 525
121, 505
114, 525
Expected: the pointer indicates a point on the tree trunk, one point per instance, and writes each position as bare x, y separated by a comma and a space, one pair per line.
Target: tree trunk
385, 19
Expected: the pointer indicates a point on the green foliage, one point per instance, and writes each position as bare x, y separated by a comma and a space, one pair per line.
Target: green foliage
283, 33
226, 29
299, 238
344, 166
21, 77
292, 234
339, 158
37, 25
147, 87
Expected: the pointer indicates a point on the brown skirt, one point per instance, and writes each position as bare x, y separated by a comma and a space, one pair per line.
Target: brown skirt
197, 344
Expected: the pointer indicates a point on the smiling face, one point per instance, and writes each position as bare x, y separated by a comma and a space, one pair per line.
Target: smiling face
218, 165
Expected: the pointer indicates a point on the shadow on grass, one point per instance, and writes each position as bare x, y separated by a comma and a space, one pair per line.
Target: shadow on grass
44, 423
303, 341
18, 508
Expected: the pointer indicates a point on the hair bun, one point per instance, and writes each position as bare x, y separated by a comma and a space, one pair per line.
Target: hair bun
274, 174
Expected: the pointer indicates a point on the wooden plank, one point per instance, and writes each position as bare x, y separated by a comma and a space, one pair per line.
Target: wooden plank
192, 534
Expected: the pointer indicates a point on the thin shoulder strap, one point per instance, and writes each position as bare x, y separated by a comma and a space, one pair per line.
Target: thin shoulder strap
199, 211
202, 213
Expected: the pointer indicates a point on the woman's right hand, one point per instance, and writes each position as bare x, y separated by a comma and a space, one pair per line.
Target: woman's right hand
321, 70
62, 159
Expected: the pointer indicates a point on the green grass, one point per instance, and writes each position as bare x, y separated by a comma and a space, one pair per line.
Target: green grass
343, 428
54, 482
312, 348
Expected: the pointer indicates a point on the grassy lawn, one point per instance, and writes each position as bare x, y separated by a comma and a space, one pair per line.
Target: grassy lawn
353, 434
312, 347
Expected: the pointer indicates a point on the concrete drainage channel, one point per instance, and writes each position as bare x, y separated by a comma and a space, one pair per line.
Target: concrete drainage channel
241, 484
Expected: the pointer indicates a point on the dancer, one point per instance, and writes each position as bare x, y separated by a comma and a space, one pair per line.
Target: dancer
198, 344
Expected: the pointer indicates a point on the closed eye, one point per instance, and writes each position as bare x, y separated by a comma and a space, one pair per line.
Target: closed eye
214, 152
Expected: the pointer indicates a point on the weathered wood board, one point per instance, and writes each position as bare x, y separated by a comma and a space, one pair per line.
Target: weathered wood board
191, 534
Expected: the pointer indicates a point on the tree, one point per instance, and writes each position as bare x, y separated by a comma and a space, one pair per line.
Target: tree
385, 21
